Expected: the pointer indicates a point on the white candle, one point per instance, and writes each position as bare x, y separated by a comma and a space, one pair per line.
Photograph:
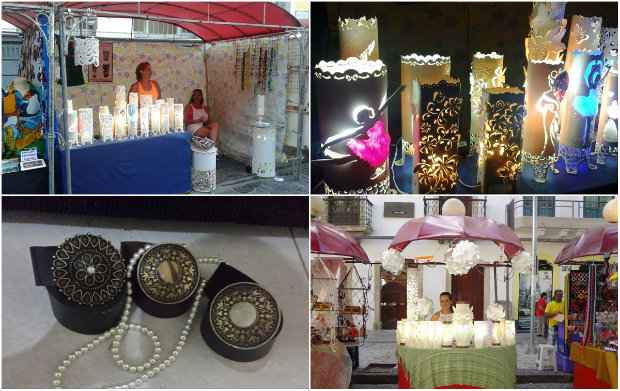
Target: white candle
481, 333
447, 334
497, 333
178, 117
85, 125
509, 333
132, 120
260, 105
145, 120
155, 119
107, 126
120, 121
72, 119
170, 105
463, 334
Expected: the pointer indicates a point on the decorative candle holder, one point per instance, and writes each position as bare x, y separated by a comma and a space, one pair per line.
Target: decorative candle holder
577, 134
497, 333
463, 334
145, 120
436, 135
132, 119
155, 119
120, 94
541, 124
584, 35
482, 333
487, 71
503, 116
424, 69
447, 334
509, 337
120, 121
107, 126
547, 27
170, 105
146, 100
348, 93
73, 128
85, 125
359, 38
178, 117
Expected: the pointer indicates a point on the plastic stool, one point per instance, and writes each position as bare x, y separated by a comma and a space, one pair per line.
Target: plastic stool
544, 357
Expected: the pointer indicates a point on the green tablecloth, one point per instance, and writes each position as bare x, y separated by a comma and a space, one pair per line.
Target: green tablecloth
493, 367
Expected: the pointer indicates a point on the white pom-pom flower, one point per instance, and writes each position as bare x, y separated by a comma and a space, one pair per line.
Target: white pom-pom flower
463, 257
422, 307
463, 313
522, 263
495, 312
392, 261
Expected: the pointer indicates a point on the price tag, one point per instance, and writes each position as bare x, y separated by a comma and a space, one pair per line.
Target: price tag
28, 155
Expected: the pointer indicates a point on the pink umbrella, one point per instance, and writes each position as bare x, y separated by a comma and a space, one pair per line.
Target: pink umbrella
595, 241
457, 228
329, 240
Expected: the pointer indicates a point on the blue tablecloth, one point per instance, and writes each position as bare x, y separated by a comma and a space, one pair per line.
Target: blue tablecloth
602, 181
152, 165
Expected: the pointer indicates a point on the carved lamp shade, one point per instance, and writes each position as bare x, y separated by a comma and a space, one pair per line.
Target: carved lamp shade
359, 38
607, 133
487, 71
348, 91
500, 163
424, 69
541, 124
584, 35
580, 108
609, 45
547, 27
436, 107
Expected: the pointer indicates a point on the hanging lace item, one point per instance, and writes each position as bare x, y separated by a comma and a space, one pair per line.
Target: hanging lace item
86, 51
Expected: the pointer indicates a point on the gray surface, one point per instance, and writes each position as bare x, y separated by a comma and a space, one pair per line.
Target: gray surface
34, 342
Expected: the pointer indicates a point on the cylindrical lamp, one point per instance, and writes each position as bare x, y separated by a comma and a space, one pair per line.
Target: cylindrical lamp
348, 93
436, 108
85, 125
607, 133
423, 69
106, 122
584, 35
359, 38
120, 121
487, 71
73, 129
547, 27
503, 118
580, 107
541, 124
178, 117
145, 120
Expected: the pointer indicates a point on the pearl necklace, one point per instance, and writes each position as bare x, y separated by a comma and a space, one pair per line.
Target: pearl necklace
153, 365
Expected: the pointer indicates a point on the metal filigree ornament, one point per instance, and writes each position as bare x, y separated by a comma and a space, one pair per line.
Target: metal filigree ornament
168, 273
88, 270
245, 316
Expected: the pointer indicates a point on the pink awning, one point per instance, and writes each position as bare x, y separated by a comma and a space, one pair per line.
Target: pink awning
239, 12
595, 241
457, 228
329, 240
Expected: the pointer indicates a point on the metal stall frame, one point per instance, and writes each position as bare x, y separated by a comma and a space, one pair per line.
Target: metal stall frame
95, 12
49, 41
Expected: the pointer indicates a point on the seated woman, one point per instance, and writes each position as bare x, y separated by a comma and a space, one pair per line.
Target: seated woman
445, 304
144, 85
197, 118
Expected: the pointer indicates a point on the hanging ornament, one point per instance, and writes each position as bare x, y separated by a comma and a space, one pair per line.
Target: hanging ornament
392, 261
464, 256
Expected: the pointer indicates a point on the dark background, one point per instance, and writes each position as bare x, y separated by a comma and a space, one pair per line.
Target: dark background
457, 30
289, 211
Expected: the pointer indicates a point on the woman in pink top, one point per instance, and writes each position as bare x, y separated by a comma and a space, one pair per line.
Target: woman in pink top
197, 118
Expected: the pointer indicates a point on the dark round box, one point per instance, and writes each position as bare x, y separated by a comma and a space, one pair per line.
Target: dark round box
128, 249
76, 317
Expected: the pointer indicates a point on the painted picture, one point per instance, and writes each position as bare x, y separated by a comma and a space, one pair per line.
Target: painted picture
104, 73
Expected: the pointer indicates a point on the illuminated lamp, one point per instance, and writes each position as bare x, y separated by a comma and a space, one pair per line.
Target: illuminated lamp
422, 69
584, 35
350, 93
487, 71
359, 38
607, 132
580, 107
503, 119
436, 108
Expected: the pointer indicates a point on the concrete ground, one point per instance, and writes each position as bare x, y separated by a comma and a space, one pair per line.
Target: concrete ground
34, 343
233, 178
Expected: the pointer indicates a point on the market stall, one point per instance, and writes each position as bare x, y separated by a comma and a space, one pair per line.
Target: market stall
117, 138
591, 323
339, 305
460, 350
